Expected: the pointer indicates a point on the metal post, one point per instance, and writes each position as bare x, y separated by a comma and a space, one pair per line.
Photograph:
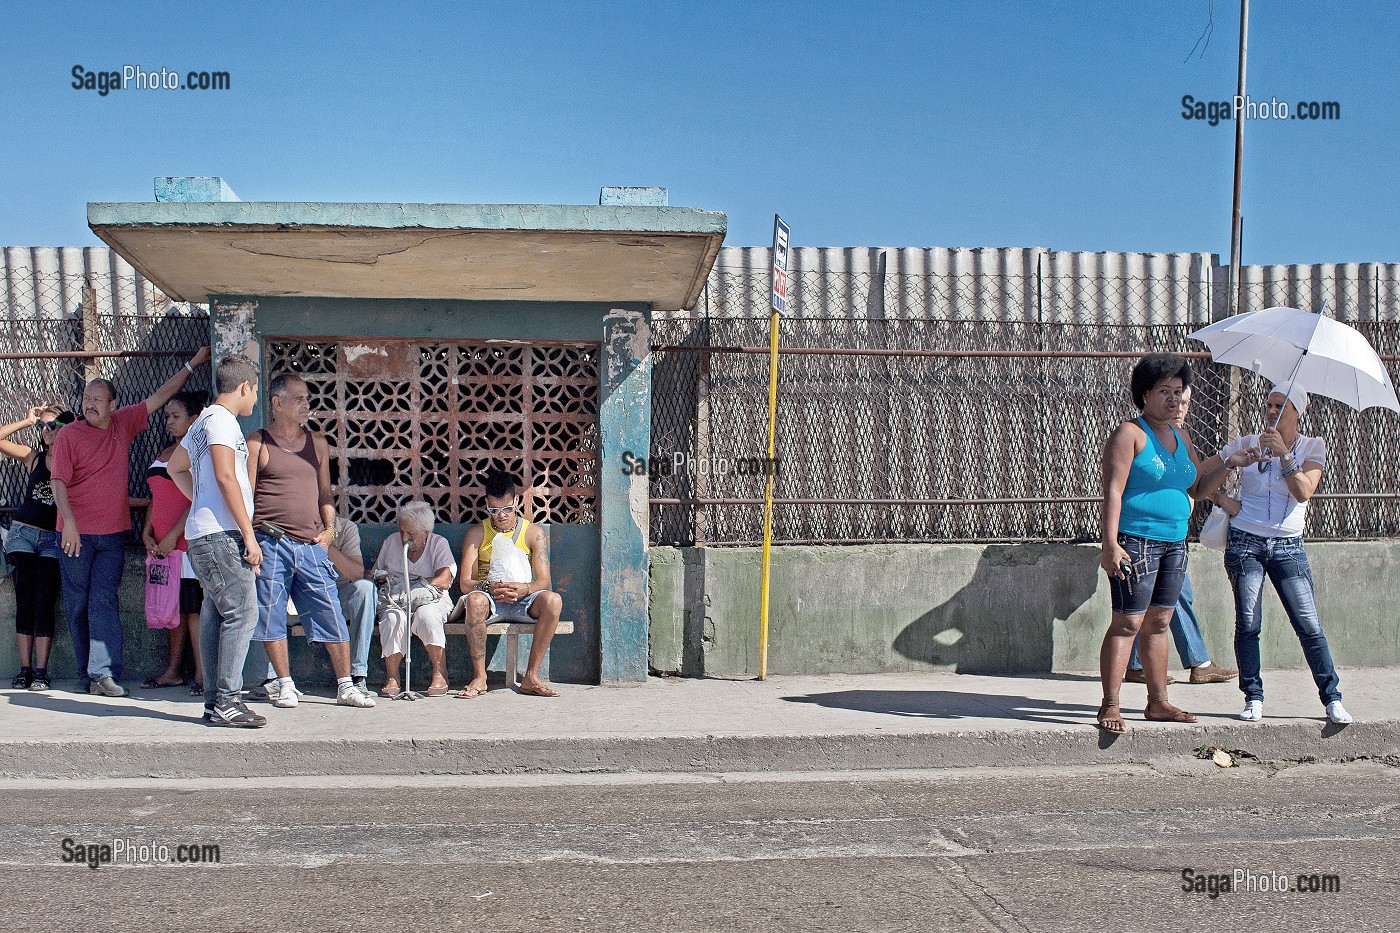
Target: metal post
766, 573
408, 692
1235, 216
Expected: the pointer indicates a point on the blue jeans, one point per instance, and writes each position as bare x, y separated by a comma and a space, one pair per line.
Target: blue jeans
90, 584
1186, 632
304, 573
358, 601
229, 613
1248, 558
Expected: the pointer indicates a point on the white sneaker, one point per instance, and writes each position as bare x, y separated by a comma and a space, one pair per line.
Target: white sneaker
1336, 712
284, 698
351, 696
1253, 711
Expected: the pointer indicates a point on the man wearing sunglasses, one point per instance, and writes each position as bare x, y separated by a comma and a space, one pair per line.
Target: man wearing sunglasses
484, 602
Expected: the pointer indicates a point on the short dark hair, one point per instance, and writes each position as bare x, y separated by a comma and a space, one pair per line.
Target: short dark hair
278, 385
107, 383
1155, 368
192, 402
234, 370
499, 484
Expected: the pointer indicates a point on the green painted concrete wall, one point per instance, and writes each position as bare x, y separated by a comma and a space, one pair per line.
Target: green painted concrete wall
1016, 608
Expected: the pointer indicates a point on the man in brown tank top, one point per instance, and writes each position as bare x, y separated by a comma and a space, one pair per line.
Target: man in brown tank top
294, 518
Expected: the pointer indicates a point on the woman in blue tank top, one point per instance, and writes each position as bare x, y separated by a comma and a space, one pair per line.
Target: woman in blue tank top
1150, 473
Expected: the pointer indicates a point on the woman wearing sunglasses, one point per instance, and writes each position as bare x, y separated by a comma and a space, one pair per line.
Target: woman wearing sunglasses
1282, 471
32, 545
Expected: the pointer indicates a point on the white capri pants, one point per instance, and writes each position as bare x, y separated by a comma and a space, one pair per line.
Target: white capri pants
428, 622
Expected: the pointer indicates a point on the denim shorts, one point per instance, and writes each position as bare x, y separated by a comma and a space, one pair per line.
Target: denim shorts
512, 612
1160, 568
26, 539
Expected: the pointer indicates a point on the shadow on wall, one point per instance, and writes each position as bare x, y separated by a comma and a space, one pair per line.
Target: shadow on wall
1003, 620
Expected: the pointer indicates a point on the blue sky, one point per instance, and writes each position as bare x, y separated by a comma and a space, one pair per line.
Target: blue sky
864, 124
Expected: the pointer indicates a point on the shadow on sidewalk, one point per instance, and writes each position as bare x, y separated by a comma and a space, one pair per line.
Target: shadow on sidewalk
116, 707
949, 704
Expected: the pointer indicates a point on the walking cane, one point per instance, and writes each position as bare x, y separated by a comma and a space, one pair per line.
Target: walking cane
408, 691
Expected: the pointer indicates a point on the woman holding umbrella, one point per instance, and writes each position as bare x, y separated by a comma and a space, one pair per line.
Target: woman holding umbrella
1302, 352
1266, 538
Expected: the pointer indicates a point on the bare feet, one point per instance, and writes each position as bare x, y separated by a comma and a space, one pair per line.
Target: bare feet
1111, 718
537, 688
1159, 710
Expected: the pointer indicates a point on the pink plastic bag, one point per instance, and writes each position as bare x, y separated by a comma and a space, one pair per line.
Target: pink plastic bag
163, 590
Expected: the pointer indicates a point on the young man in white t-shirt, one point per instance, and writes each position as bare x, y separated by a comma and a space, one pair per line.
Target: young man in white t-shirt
211, 467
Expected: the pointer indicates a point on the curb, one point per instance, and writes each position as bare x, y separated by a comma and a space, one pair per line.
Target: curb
1291, 741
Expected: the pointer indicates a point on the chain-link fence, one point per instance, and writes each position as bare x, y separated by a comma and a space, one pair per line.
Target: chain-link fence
974, 427
50, 360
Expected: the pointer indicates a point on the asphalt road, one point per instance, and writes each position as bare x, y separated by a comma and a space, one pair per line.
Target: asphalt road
1067, 849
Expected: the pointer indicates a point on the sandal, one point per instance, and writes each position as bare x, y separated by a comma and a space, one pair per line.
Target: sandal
22, 680
1111, 724
468, 693
197, 689
1176, 715
153, 683
40, 682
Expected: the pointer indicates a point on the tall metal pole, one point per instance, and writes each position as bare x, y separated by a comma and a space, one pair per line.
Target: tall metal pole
1235, 217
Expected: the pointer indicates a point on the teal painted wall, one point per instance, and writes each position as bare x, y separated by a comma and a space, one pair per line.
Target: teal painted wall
575, 549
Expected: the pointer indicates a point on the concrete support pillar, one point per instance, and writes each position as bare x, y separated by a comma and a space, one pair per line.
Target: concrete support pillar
624, 424
233, 329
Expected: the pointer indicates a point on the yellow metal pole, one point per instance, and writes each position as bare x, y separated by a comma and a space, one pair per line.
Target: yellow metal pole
766, 573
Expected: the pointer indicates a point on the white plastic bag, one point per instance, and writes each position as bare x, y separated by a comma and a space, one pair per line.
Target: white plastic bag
1215, 533
509, 563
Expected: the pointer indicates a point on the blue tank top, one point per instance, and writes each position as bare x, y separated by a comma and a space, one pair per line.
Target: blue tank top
1155, 503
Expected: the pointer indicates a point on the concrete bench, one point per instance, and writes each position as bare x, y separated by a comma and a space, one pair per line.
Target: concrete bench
511, 630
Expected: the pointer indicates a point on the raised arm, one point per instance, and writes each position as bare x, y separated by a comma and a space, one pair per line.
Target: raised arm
157, 399
15, 451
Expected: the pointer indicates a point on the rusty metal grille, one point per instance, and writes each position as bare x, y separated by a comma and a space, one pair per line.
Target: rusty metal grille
413, 419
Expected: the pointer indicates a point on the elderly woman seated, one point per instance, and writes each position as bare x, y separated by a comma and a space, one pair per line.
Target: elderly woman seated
431, 570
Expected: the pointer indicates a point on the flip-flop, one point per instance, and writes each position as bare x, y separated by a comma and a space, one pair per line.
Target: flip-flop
152, 684
437, 691
468, 693
540, 691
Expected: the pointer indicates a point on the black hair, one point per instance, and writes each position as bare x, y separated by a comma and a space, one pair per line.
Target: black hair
1155, 368
234, 370
108, 384
499, 484
192, 402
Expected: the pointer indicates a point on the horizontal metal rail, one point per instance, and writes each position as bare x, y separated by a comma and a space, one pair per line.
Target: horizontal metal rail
1077, 500
96, 354
974, 354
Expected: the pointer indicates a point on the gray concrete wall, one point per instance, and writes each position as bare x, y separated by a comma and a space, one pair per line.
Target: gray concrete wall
994, 608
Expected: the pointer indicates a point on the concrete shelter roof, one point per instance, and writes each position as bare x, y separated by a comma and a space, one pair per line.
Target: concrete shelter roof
520, 252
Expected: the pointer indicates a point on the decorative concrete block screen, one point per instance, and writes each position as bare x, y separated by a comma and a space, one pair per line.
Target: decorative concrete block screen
411, 419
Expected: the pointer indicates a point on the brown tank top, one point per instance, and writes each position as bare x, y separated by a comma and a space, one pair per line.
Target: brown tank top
288, 492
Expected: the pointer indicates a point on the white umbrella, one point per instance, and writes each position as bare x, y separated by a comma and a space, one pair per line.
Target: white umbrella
1291, 347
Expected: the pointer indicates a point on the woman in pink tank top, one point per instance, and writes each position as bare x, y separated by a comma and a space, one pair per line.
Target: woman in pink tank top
164, 534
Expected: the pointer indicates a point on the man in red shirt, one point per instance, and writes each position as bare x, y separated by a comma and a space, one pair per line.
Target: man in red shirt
91, 462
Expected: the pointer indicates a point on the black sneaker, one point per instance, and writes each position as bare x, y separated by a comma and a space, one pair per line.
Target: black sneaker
208, 713
235, 714
23, 679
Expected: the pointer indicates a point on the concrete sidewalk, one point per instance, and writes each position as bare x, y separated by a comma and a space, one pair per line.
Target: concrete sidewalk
831, 722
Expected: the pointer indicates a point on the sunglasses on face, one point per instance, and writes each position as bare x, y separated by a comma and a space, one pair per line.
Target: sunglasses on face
49, 425
503, 510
